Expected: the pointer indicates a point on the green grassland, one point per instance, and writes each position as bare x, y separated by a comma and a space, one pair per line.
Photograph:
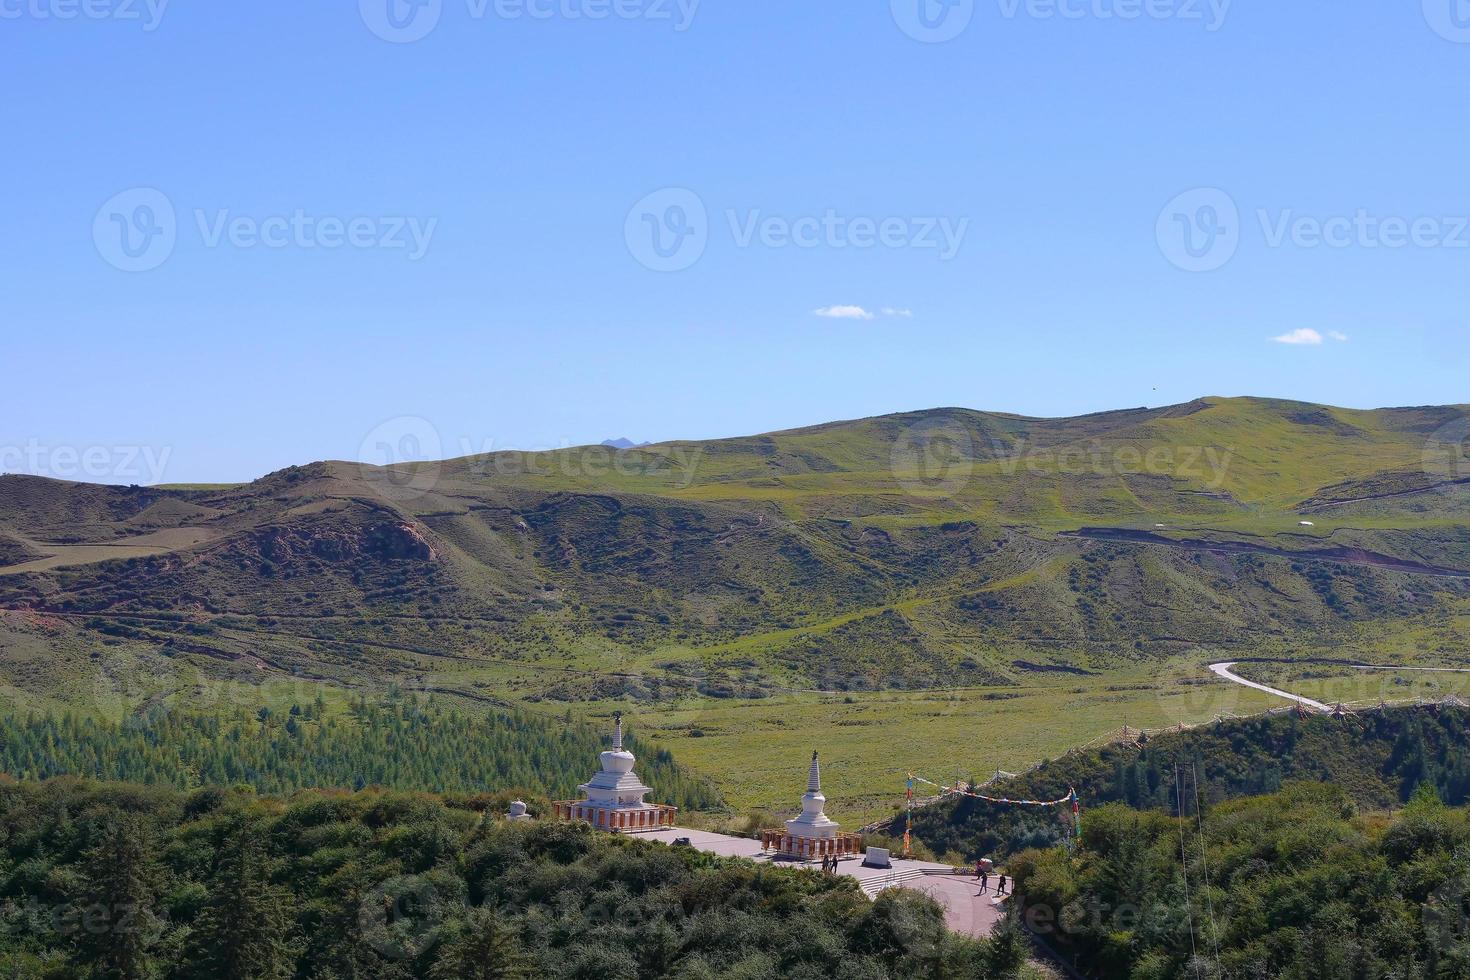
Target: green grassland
757, 750
947, 588
1358, 689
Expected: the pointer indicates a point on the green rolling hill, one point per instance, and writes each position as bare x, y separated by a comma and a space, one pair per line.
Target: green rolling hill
902, 551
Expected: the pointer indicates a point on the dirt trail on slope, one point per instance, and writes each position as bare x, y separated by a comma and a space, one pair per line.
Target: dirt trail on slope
1313, 506
1338, 554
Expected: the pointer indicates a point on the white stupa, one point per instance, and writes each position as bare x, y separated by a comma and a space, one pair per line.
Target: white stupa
614, 798
812, 834
813, 824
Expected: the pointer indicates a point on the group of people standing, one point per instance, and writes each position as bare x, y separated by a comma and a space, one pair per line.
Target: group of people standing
829, 865
983, 874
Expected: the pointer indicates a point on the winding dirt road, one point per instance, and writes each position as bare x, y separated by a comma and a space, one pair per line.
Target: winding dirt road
1224, 670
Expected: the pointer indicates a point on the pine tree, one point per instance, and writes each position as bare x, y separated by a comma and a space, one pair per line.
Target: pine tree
116, 920
484, 949
243, 932
1007, 950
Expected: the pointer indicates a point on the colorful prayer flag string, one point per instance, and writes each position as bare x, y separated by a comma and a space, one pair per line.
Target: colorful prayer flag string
1071, 796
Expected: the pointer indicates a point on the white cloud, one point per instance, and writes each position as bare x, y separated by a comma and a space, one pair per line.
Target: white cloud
1301, 335
844, 313
1337, 335
894, 311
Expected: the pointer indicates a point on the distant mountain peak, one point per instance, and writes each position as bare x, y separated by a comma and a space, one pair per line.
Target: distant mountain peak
624, 443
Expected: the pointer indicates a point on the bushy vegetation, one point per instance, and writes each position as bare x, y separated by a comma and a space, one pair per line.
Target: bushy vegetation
13, 551
1379, 758
395, 742
131, 882
1295, 885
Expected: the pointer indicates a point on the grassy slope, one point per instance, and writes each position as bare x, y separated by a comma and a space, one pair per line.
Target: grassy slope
721, 580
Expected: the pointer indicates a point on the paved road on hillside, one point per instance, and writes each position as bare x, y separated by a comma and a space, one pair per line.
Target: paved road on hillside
965, 910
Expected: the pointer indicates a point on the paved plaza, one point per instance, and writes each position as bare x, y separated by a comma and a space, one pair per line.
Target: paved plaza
965, 910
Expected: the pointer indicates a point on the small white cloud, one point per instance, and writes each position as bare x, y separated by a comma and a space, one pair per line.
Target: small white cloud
1337, 335
844, 313
1302, 335
895, 311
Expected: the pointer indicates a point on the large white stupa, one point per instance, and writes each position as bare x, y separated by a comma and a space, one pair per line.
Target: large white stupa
614, 798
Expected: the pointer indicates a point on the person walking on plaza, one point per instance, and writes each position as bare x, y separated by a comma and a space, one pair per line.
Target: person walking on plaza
1000, 886
984, 879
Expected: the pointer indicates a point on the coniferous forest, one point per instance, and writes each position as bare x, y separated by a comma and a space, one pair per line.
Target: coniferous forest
1379, 758
1300, 885
395, 741
129, 882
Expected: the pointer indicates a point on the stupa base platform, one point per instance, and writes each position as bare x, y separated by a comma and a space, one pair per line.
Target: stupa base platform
623, 820
811, 848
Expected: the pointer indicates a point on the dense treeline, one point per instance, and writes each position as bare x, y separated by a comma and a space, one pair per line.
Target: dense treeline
123, 881
396, 742
1379, 758
1295, 885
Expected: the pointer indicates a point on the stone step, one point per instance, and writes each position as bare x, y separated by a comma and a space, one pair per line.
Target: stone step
897, 879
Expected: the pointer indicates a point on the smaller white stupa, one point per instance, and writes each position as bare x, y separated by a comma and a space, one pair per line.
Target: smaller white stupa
614, 798
813, 824
517, 811
812, 834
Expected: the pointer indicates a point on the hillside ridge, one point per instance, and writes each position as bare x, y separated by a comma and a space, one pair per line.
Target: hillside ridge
914, 549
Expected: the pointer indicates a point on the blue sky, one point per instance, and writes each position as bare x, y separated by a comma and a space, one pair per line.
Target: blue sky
288, 312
